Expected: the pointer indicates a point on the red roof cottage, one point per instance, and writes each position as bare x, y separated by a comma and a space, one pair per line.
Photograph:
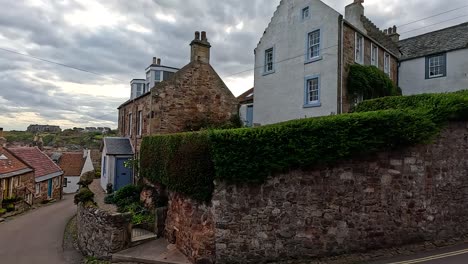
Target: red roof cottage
48, 176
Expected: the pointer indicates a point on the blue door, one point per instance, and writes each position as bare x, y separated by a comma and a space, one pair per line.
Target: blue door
123, 175
250, 115
49, 189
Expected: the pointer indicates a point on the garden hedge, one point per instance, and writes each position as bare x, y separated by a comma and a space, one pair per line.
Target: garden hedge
370, 82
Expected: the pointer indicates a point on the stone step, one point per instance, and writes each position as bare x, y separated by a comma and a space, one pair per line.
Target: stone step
142, 239
154, 252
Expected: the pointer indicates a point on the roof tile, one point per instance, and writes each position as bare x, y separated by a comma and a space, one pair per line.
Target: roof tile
72, 163
37, 159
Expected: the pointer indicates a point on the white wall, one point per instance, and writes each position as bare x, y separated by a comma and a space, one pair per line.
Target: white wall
72, 184
412, 77
88, 165
280, 96
243, 112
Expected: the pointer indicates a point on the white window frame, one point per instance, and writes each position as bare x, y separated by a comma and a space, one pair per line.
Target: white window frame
38, 188
387, 64
130, 124
313, 46
140, 123
374, 55
305, 13
436, 64
269, 62
358, 48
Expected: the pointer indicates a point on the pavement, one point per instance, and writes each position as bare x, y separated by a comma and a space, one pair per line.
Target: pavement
37, 236
450, 255
153, 252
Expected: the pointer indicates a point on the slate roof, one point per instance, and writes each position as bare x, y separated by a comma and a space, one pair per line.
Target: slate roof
118, 146
38, 160
443, 40
246, 97
72, 163
10, 164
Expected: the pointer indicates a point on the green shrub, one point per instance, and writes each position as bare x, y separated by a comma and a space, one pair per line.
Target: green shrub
438, 107
84, 196
370, 82
10, 208
143, 218
188, 163
2, 211
109, 199
182, 162
126, 196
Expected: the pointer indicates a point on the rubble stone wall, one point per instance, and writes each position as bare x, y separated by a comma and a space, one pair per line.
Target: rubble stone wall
100, 234
385, 200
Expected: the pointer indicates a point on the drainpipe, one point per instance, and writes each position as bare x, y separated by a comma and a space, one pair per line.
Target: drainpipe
342, 68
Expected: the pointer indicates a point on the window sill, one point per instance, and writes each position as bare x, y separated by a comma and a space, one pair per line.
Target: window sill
435, 77
312, 105
313, 60
268, 73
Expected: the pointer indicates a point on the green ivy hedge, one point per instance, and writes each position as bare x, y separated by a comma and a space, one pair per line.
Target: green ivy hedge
437, 107
182, 162
370, 82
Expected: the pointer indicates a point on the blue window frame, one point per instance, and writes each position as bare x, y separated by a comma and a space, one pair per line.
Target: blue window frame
313, 45
312, 91
104, 166
269, 61
305, 13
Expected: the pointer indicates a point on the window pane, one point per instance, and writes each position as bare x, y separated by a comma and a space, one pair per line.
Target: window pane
269, 60
312, 90
314, 44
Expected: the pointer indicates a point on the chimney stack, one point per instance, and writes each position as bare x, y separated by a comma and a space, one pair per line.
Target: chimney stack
392, 33
158, 61
354, 12
200, 48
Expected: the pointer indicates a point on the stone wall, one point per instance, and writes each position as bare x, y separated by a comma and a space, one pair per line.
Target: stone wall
57, 188
100, 234
384, 200
133, 107
190, 225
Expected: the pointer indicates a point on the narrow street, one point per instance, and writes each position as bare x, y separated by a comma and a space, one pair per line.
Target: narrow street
36, 237
451, 255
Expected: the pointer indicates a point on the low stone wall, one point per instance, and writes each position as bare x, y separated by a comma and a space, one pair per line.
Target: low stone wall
100, 234
190, 225
385, 200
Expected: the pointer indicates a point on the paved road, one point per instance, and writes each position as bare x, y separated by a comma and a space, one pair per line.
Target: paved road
36, 237
452, 255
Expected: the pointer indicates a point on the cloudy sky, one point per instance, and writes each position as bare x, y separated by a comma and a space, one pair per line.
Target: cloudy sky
118, 38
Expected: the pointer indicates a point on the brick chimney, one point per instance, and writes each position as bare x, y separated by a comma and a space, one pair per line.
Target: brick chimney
154, 60
158, 61
392, 33
354, 12
200, 48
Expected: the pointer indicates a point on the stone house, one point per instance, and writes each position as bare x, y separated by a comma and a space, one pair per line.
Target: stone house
16, 177
43, 128
246, 105
74, 165
48, 176
303, 58
435, 62
181, 100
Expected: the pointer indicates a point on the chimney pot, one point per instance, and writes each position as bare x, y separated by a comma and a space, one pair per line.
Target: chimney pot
385, 31
203, 35
197, 35
390, 30
394, 29
154, 60
158, 61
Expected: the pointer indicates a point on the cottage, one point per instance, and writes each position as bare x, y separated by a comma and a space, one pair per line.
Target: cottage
181, 100
303, 59
435, 62
246, 105
74, 165
16, 177
48, 176
115, 153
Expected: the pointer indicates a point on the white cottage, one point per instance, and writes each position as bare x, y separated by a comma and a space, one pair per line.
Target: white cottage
74, 165
115, 153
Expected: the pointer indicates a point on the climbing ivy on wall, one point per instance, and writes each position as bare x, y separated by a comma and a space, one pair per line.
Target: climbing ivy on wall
370, 82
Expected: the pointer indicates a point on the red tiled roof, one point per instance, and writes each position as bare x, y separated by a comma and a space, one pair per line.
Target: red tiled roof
38, 160
72, 163
247, 96
9, 163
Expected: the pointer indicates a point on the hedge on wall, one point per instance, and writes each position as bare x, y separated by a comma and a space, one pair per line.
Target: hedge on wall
370, 82
182, 162
438, 107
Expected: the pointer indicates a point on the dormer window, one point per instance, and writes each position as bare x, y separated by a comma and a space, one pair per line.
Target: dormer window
305, 13
157, 76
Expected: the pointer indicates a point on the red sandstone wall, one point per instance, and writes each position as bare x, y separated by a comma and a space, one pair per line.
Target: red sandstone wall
390, 199
190, 225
